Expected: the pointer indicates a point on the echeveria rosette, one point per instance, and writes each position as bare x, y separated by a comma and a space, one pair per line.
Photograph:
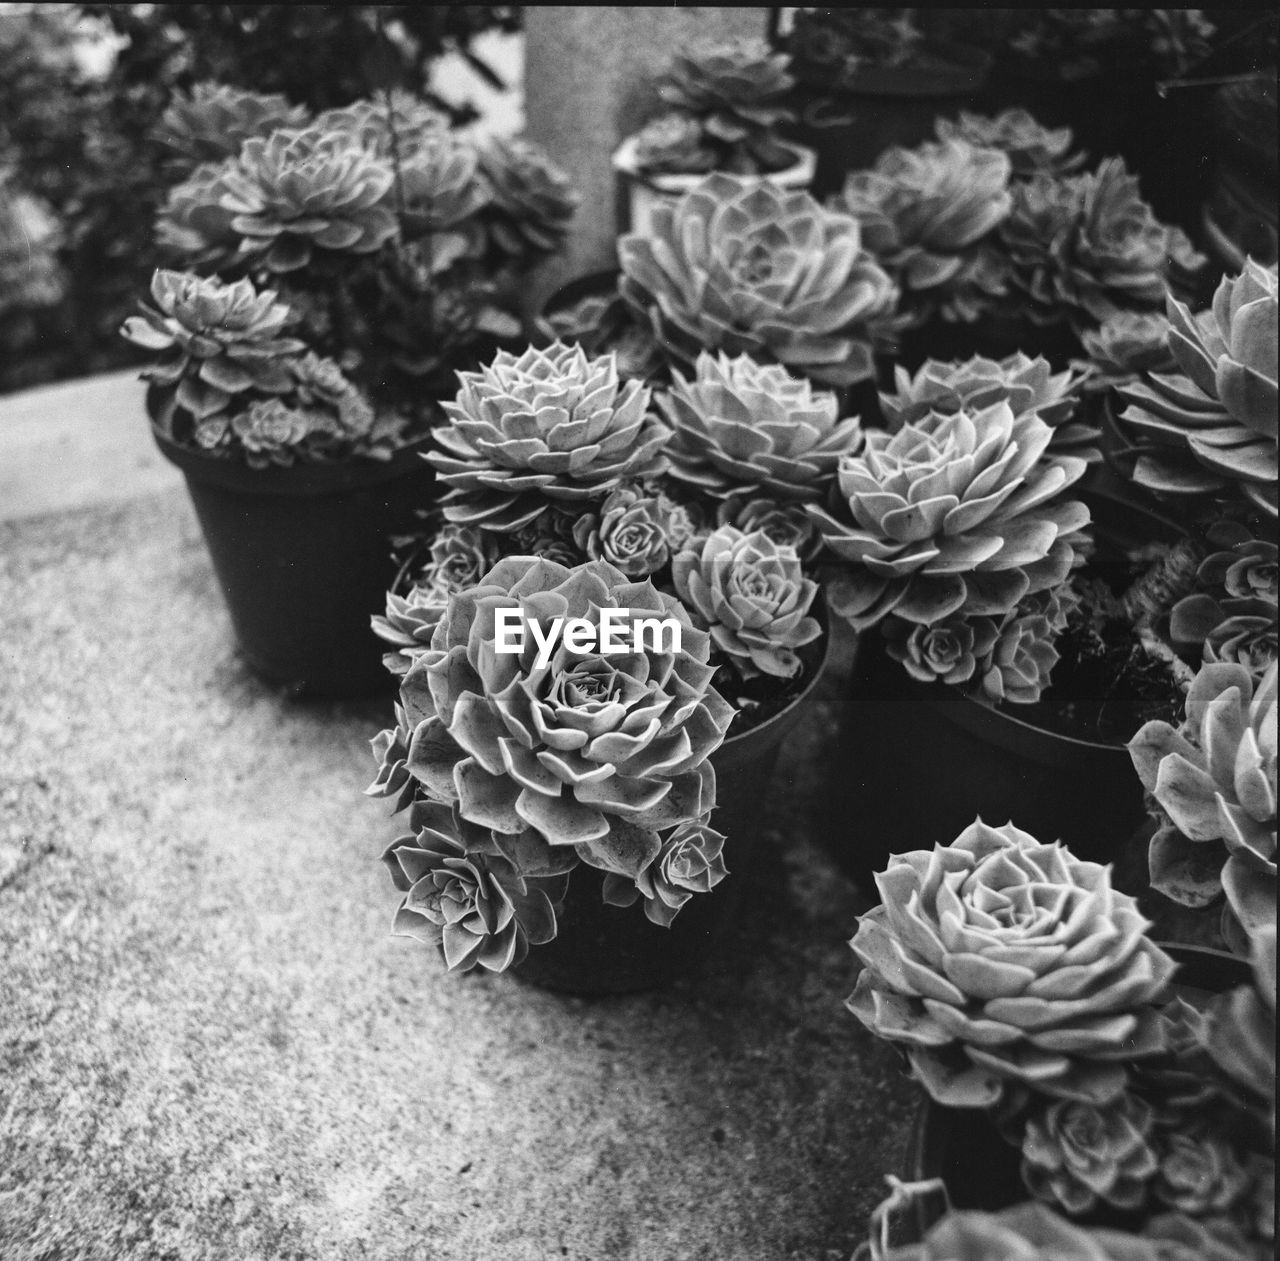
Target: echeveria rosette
212, 121
916, 1223
1079, 1155
309, 188
441, 193
464, 894
1214, 780
674, 143
690, 861
1199, 1174
739, 425
1031, 148
736, 91
386, 124
1030, 387
1212, 425
596, 752
193, 225
217, 341
391, 752
958, 514
742, 266
954, 650
785, 522
1123, 347
629, 531
753, 596
924, 212
460, 555
545, 425
531, 201
1021, 660
1002, 964
1086, 247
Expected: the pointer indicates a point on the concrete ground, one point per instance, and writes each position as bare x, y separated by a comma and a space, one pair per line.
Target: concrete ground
210, 1046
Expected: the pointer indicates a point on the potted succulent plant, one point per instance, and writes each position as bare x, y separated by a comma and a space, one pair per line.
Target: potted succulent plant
1116, 1103
725, 109
572, 801
874, 78
336, 269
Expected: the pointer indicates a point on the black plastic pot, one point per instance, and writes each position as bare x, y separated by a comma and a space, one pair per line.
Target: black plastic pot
913, 764
303, 557
963, 1147
601, 949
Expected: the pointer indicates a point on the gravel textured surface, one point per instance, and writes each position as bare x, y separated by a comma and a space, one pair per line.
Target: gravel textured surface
210, 1046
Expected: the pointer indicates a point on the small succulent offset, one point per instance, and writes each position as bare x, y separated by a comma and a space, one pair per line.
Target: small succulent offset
1123, 347
630, 531
741, 426
727, 104
1214, 783
1211, 425
475, 894
1029, 386
1082, 248
972, 964
955, 514
1031, 148
925, 213
741, 266
752, 595
546, 425
690, 861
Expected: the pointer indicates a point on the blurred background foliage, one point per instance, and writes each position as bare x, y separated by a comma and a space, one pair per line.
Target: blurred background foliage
81, 88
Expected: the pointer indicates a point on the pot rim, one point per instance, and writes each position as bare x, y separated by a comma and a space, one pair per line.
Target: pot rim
298, 480
798, 175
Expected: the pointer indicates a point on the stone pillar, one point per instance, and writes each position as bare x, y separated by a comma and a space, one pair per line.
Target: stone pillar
588, 82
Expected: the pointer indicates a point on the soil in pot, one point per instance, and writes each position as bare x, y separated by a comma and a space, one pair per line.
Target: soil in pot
601, 950
981, 1170
913, 764
303, 556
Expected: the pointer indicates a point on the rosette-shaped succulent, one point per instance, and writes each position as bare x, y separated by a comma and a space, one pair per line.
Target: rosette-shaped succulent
674, 143
1029, 386
269, 431
1215, 782
786, 523
630, 531
544, 425
1199, 1174
596, 751
1030, 147
213, 120
531, 200
308, 188
1021, 660
690, 861
1077, 1155
998, 961
386, 125
1124, 346
1241, 1037
743, 266
953, 650
735, 90
1086, 247
1025, 1232
741, 425
217, 340
193, 222
753, 597
923, 213
1214, 423
441, 187
391, 750
463, 894
460, 555
955, 514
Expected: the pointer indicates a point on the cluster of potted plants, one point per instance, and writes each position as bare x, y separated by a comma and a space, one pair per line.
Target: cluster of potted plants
330, 272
